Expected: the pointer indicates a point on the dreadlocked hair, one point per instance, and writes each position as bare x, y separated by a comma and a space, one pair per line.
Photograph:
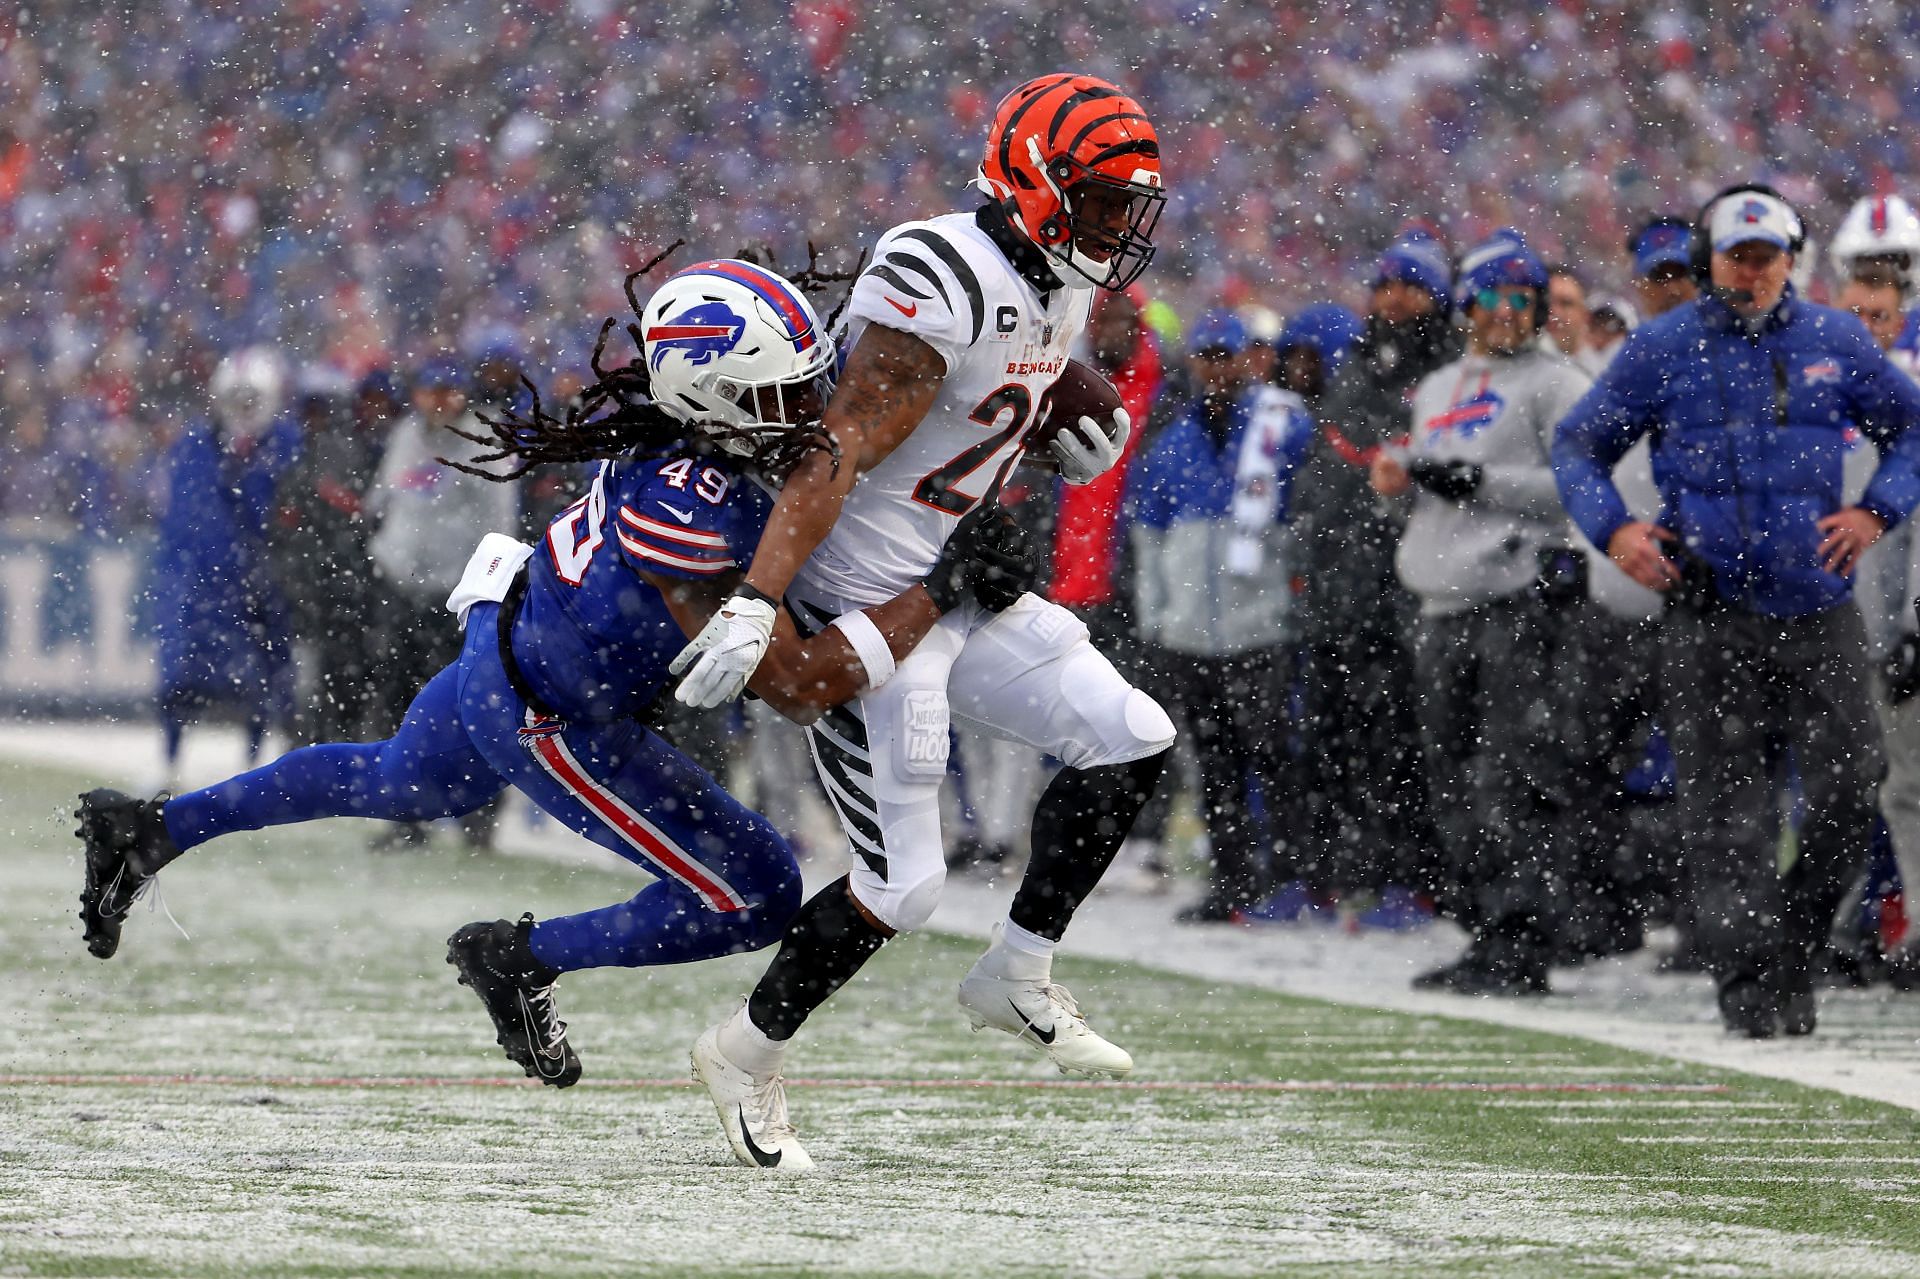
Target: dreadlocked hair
617, 416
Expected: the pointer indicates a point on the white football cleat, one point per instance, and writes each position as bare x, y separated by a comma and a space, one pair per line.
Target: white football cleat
1042, 1015
753, 1113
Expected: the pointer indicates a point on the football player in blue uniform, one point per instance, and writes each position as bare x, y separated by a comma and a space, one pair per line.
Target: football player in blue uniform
569, 643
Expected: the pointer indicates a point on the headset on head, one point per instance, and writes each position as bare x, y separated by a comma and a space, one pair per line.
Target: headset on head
1699, 239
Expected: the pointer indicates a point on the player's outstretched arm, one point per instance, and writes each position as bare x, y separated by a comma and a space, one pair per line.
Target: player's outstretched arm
889, 383
801, 678
989, 558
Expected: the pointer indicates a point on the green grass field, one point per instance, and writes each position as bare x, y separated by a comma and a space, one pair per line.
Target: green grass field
348, 1117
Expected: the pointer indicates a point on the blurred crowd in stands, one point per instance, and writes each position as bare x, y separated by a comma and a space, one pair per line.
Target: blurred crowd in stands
359, 182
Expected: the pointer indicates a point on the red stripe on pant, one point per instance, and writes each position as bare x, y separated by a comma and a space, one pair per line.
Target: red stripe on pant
609, 808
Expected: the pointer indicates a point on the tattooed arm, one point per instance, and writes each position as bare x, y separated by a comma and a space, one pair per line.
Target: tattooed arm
798, 677
889, 383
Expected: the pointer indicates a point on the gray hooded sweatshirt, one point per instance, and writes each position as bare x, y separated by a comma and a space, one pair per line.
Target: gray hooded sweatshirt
1499, 412
431, 516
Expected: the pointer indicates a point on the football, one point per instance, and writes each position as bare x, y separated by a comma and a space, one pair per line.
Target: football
1079, 392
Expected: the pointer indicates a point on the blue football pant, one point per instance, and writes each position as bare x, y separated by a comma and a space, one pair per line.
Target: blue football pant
727, 880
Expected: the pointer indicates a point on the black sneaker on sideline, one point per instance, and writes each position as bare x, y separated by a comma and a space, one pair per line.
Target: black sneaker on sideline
1210, 909
1508, 962
495, 961
1503, 980
1793, 999
1903, 962
1747, 1007
127, 843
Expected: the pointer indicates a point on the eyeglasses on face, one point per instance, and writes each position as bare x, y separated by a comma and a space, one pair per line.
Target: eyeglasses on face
1518, 299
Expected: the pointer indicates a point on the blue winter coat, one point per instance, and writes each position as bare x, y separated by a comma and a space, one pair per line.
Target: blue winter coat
1189, 596
1749, 431
219, 621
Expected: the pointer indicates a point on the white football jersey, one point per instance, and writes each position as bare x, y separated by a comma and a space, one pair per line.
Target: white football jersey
948, 284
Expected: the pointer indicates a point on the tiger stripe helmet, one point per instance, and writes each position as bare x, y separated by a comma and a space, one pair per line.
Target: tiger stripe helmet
1067, 157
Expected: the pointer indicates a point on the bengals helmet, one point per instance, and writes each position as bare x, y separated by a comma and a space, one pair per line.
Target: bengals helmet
1076, 165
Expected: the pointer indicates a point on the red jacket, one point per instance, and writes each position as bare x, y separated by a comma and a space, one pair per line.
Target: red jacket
1087, 539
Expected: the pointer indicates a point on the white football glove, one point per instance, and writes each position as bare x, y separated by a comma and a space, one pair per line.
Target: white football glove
729, 647
1084, 460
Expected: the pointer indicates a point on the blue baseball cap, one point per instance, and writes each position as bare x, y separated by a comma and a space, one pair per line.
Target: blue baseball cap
443, 370
1661, 242
1501, 260
1327, 327
1418, 259
379, 381
1219, 330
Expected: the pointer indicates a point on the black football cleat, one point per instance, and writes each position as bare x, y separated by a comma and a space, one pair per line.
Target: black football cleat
126, 843
496, 962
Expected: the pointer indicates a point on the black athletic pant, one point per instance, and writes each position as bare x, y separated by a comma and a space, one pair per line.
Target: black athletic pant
1234, 710
1487, 707
1368, 819
1733, 682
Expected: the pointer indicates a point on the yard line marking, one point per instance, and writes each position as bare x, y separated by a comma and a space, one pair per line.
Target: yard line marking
1907, 1160
1696, 1112
1758, 1139
1095, 1085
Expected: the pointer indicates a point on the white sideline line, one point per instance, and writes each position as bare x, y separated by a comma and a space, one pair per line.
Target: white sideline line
1045, 1085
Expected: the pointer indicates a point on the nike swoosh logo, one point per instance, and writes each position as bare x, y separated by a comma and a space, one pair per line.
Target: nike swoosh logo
685, 517
904, 309
1044, 1036
761, 1157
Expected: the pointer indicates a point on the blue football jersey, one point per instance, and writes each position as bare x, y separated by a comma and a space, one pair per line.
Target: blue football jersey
593, 639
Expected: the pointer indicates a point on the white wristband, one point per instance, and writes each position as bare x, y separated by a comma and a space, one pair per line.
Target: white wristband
868, 644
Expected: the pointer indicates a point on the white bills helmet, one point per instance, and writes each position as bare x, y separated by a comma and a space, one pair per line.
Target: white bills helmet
729, 347
1884, 226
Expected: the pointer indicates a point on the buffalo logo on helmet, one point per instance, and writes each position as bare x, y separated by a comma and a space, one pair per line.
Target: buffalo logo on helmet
701, 333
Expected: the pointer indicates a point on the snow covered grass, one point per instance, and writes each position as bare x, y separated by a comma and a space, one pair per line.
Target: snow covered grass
315, 960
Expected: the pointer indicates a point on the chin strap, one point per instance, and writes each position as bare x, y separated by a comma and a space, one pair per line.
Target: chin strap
1027, 258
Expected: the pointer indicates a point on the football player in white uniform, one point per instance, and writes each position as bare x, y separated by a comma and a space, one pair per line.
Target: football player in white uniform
1880, 239
956, 330
1876, 263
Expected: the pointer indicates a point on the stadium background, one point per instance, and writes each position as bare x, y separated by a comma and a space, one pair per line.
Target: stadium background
356, 180
357, 183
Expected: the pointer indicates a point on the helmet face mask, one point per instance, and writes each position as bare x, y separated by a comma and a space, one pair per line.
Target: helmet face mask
1105, 225
1075, 164
734, 351
768, 411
